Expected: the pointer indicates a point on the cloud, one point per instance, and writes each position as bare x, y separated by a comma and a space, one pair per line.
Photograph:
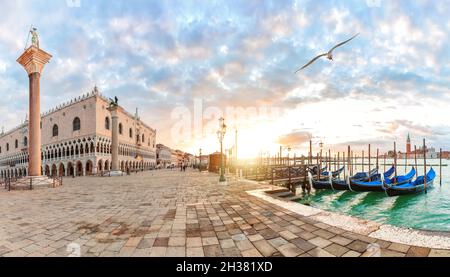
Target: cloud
295, 139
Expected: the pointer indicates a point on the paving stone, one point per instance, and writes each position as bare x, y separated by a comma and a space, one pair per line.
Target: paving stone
194, 242
212, 251
244, 245
303, 244
252, 253
195, 252
358, 246
210, 241
351, 254
133, 242
287, 235
320, 242
399, 247
176, 251
239, 237
306, 235
415, 251
158, 251
290, 250
439, 253
177, 241
268, 234
341, 240
318, 252
390, 253
277, 242
161, 242
324, 234
336, 249
256, 237
227, 243
265, 248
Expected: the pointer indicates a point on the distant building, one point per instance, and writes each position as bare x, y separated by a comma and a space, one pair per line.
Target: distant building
163, 156
215, 162
430, 152
408, 145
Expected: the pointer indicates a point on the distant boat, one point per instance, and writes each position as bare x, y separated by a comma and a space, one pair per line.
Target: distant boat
414, 187
378, 185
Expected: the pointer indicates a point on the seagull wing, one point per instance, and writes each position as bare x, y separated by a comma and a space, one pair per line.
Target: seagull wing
342, 43
313, 60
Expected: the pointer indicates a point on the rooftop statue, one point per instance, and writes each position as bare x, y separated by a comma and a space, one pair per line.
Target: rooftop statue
114, 103
34, 37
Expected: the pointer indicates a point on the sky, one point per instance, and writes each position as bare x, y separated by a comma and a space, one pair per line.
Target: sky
185, 64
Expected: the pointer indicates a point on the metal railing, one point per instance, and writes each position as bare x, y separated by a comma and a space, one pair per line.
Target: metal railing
30, 182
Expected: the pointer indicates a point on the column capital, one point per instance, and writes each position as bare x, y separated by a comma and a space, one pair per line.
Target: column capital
113, 109
34, 59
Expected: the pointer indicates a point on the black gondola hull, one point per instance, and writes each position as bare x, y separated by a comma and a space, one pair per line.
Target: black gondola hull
407, 191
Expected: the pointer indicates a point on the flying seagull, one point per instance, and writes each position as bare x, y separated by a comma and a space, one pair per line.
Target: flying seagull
329, 55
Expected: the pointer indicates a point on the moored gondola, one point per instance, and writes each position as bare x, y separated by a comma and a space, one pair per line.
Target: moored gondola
377, 184
338, 184
412, 187
361, 176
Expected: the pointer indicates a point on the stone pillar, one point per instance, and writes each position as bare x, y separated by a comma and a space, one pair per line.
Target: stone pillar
115, 169
33, 60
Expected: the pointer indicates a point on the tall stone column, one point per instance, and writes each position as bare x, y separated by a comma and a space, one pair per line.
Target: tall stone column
33, 60
115, 170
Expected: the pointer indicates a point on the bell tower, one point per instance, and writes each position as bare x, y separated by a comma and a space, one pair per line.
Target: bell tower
408, 145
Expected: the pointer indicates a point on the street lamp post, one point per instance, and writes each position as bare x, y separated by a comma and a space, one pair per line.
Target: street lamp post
200, 161
289, 160
220, 135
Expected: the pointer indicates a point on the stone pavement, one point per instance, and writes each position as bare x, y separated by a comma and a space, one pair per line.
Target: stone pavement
170, 213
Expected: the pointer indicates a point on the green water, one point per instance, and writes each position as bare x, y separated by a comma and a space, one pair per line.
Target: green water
429, 211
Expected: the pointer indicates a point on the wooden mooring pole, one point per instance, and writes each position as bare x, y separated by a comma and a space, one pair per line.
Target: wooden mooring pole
395, 161
406, 161
343, 163
329, 160
338, 160
415, 161
335, 162
425, 165
362, 161
370, 179
310, 152
440, 167
349, 160
378, 155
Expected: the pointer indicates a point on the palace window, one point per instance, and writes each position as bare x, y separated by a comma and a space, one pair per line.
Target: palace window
0, 149
107, 123
120, 128
25, 141
131, 133
16, 144
143, 138
7, 147
76, 124
55, 130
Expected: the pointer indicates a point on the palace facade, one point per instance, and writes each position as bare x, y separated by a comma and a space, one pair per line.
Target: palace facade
76, 141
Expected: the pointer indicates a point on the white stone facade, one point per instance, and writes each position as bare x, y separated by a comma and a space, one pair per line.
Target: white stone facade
163, 156
76, 140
